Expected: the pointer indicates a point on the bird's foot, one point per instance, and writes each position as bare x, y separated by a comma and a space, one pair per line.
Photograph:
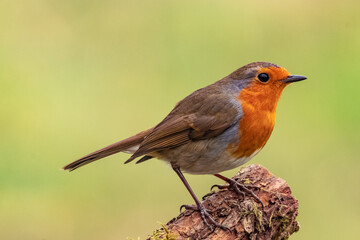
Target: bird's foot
240, 188
205, 216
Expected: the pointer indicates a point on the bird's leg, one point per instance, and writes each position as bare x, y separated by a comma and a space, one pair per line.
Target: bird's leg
199, 206
236, 186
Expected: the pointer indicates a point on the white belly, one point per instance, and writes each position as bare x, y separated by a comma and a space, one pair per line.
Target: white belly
223, 163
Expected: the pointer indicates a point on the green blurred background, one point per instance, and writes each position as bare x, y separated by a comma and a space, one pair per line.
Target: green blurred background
78, 75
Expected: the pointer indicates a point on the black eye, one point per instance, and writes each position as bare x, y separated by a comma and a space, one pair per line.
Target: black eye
263, 77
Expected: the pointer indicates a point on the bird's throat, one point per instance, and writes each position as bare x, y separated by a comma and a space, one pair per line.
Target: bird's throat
257, 123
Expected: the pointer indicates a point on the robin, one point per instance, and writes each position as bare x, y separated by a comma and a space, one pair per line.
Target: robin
214, 129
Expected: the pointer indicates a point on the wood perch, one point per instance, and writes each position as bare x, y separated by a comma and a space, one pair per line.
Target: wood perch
245, 217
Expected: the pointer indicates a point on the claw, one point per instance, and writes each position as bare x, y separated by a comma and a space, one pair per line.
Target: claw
218, 186
205, 216
207, 195
187, 207
181, 207
237, 190
236, 185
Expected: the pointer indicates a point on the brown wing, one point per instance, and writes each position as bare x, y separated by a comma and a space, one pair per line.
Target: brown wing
178, 130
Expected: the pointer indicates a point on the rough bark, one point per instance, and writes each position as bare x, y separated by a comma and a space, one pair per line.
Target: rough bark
245, 217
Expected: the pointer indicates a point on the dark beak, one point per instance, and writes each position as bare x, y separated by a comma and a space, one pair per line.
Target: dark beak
294, 78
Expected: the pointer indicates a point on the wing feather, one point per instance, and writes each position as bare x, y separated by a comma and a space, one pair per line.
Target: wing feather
176, 131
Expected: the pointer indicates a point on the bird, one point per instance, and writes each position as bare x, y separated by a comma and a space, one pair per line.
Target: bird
216, 128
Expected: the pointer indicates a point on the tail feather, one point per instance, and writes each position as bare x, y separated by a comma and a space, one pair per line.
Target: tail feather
121, 146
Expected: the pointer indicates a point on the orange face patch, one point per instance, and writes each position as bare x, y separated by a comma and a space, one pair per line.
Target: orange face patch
275, 73
258, 102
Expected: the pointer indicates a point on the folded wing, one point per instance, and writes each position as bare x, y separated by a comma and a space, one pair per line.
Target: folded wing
177, 130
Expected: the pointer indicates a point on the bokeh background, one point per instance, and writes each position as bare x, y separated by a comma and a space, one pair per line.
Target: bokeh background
79, 75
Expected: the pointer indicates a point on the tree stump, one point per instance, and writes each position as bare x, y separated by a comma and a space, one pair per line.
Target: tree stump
245, 217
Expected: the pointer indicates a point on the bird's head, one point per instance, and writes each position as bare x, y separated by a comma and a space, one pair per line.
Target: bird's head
262, 82
264, 75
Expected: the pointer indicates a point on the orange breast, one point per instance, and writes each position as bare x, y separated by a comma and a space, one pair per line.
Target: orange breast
259, 108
